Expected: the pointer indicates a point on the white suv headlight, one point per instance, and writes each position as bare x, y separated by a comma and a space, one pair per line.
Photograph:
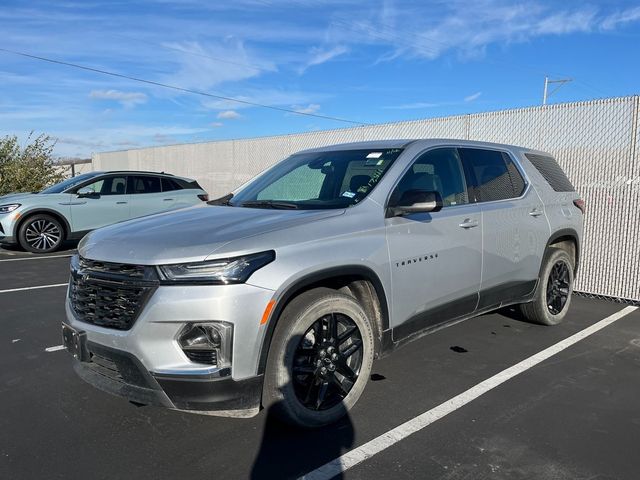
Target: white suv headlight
222, 271
9, 207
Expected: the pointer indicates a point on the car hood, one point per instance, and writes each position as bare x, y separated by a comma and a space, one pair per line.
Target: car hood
15, 197
30, 197
189, 235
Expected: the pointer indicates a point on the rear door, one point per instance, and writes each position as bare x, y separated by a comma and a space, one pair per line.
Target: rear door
514, 226
109, 205
436, 257
147, 196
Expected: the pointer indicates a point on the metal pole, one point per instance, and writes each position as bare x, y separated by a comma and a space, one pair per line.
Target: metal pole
546, 88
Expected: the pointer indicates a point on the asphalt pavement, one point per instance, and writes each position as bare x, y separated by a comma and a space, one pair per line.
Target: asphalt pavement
574, 415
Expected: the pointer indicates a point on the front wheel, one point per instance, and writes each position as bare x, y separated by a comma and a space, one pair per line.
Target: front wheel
553, 294
41, 234
319, 360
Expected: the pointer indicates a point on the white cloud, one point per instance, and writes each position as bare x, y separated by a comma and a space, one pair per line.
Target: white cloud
620, 18
468, 27
217, 124
229, 115
473, 98
323, 55
127, 99
203, 67
311, 108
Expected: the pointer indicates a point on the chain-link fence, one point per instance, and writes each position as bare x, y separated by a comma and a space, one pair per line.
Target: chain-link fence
595, 142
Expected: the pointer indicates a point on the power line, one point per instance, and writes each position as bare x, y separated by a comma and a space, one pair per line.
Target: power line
181, 89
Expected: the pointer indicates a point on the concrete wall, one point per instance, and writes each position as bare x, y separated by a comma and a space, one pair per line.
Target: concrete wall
595, 142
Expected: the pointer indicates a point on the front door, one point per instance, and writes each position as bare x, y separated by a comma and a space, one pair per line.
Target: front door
109, 205
436, 258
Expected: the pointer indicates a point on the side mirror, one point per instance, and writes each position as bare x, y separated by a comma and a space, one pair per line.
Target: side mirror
417, 201
87, 192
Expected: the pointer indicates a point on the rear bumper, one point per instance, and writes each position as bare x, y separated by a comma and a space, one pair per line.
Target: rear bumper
122, 374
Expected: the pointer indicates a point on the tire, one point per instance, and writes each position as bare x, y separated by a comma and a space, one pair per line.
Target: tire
303, 337
548, 307
41, 233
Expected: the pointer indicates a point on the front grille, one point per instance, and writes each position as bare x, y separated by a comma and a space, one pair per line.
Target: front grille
105, 366
119, 366
108, 294
202, 356
120, 269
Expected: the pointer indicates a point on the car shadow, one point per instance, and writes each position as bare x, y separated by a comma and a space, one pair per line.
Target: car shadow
289, 452
68, 246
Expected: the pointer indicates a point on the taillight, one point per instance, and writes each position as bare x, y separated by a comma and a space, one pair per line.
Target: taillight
204, 197
580, 204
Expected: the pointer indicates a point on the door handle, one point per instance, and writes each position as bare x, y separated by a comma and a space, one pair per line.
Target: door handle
168, 199
121, 203
536, 212
468, 223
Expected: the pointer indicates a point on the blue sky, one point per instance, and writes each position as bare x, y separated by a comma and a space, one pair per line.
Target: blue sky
365, 61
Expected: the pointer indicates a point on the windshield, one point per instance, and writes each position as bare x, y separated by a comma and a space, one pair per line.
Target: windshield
69, 182
335, 179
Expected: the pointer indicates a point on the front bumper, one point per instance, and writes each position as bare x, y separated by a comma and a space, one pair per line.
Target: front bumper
6, 231
120, 373
145, 364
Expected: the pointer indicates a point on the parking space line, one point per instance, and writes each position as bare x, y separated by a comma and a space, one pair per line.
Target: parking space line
393, 436
34, 258
33, 288
55, 349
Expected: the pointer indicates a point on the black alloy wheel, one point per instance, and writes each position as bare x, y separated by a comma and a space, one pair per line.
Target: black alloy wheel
558, 287
327, 362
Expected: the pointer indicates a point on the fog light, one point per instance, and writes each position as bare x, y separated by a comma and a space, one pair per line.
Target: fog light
208, 343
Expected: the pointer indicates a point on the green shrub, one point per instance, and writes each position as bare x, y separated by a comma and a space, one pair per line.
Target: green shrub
28, 168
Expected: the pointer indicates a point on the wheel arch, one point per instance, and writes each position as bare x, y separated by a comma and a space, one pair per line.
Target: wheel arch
46, 211
356, 280
567, 239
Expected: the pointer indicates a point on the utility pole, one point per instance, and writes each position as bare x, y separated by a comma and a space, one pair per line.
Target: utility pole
547, 81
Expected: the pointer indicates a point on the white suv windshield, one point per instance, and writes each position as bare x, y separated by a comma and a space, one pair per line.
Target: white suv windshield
69, 182
334, 179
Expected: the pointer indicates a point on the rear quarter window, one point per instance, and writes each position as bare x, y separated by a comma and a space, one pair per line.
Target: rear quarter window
551, 171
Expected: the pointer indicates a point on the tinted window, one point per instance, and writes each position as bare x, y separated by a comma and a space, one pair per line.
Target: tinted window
490, 176
168, 185
144, 184
551, 171
109, 186
437, 170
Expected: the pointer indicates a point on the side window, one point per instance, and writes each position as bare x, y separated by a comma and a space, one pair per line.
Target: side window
437, 170
109, 186
551, 171
494, 176
143, 184
169, 185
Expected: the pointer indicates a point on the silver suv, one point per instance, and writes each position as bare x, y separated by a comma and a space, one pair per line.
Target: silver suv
282, 293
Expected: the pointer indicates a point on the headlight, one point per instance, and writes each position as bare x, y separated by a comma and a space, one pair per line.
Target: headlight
9, 208
222, 271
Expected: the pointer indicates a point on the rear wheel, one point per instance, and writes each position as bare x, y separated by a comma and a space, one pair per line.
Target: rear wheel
41, 234
319, 360
553, 294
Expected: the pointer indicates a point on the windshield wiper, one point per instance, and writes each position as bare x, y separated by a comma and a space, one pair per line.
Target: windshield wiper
269, 204
222, 200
